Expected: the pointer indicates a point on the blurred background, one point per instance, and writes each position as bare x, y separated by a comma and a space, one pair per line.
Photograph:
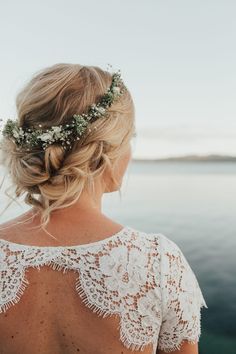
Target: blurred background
178, 60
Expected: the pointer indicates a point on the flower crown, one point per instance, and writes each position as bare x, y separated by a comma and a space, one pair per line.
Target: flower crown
64, 134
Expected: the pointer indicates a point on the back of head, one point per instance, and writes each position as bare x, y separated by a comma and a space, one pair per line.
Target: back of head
54, 178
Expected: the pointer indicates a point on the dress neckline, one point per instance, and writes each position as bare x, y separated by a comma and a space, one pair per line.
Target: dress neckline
107, 239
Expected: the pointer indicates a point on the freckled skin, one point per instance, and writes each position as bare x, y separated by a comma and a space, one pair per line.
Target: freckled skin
64, 326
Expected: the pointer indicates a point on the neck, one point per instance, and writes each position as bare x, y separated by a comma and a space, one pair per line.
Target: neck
88, 206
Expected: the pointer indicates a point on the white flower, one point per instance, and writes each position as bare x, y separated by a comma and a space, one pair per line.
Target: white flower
116, 90
45, 136
101, 110
57, 132
56, 129
15, 133
21, 132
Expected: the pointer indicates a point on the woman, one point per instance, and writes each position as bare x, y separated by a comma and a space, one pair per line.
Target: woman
117, 289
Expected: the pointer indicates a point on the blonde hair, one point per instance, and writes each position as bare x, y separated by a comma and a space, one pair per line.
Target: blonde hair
55, 178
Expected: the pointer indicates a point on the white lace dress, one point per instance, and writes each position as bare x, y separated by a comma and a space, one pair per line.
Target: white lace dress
142, 277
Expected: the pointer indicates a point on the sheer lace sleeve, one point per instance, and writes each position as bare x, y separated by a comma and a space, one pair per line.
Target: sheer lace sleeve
182, 299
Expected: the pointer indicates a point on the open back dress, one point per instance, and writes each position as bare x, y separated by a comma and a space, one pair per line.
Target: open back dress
144, 278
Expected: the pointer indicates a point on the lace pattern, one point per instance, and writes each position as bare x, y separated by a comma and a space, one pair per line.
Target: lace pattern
144, 278
182, 299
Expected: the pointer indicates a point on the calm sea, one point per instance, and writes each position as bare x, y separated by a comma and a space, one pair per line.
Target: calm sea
194, 204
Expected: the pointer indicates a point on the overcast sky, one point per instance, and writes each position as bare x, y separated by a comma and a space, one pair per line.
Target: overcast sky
177, 58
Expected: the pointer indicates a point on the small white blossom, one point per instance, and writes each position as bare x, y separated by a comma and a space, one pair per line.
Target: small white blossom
57, 132
21, 132
101, 110
116, 90
15, 133
45, 137
57, 129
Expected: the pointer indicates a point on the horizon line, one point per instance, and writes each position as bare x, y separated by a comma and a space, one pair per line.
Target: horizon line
190, 157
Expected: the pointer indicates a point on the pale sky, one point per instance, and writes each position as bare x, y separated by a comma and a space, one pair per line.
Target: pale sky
176, 57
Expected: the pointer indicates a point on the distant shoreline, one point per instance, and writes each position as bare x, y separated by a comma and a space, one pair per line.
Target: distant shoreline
191, 158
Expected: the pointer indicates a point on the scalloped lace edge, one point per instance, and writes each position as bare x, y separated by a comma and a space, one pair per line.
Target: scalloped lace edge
184, 337
101, 312
19, 293
84, 298
179, 345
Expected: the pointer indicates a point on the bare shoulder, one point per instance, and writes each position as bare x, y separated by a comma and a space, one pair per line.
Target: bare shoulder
6, 229
65, 230
11, 229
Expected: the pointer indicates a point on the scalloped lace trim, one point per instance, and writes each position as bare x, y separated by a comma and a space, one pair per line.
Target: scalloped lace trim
144, 278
